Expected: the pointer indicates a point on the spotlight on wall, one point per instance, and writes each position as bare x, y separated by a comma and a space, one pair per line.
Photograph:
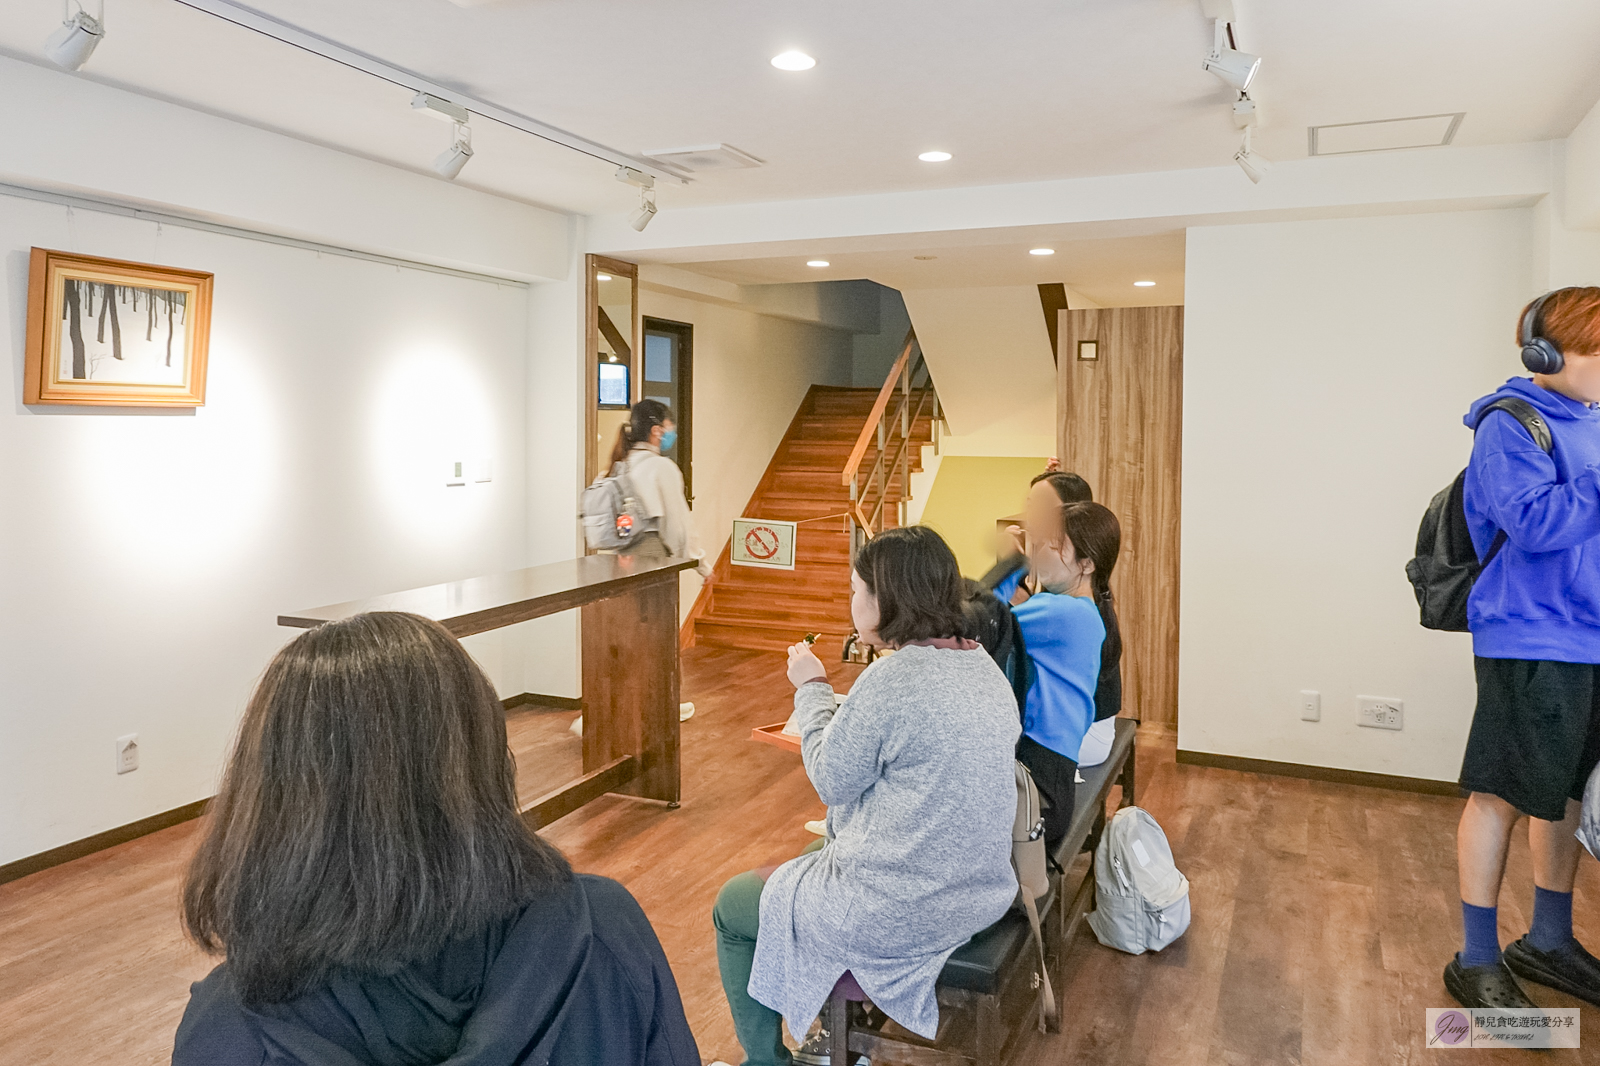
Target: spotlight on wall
1236, 68
452, 159
647, 210
75, 39
1254, 166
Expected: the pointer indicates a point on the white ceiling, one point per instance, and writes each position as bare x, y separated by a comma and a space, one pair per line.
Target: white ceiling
1100, 269
1023, 90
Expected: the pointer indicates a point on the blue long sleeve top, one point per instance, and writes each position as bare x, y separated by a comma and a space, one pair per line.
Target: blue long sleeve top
1064, 635
1539, 597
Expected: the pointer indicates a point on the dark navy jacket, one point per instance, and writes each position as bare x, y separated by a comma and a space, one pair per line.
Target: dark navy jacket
576, 977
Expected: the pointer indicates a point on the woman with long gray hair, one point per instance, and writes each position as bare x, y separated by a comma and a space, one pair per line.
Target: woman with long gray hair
377, 896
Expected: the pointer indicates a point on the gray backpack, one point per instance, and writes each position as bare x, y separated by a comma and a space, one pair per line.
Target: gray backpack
1141, 900
613, 516
1028, 859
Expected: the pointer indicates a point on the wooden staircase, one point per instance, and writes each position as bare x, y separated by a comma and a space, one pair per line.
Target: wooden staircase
767, 610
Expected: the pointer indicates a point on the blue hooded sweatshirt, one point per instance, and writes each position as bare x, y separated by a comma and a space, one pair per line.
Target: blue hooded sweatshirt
1539, 598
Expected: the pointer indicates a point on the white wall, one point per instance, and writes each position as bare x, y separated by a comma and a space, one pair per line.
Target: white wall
750, 373
989, 352
145, 555
1327, 366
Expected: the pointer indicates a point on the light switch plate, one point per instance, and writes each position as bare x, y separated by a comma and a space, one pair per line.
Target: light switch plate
1310, 706
455, 472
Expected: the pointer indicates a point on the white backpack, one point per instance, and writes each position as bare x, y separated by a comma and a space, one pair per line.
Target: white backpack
1141, 900
1589, 822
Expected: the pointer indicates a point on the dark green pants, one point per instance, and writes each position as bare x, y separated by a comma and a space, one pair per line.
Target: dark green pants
737, 916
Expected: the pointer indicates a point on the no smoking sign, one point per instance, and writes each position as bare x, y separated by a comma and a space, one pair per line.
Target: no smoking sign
762, 542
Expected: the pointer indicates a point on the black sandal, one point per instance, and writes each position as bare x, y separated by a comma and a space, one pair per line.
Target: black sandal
1484, 987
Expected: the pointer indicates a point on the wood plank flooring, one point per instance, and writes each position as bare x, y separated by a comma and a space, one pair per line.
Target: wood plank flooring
1323, 914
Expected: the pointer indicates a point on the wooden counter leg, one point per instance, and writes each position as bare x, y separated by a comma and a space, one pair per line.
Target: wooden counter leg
630, 685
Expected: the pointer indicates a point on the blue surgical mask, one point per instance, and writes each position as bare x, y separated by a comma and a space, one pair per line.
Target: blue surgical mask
668, 439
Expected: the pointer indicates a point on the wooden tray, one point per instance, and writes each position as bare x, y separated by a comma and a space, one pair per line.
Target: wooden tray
774, 735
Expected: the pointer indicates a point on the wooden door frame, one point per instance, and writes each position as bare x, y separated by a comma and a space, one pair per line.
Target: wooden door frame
592, 265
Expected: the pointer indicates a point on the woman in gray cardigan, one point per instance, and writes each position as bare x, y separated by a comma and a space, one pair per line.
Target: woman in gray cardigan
916, 770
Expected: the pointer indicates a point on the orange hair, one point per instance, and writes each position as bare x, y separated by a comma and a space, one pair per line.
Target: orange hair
1571, 320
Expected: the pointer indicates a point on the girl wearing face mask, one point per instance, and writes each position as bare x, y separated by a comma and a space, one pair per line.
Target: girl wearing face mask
648, 432
1072, 550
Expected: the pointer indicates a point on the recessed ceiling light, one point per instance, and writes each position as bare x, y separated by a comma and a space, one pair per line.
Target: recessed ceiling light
1143, 284
924, 258
793, 60
934, 157
816, 262
1041, 251
602, 277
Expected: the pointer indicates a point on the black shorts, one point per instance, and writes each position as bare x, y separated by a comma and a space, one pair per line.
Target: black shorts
1535, 734
1056, 777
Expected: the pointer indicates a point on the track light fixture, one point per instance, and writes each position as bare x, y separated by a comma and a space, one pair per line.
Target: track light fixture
1254, 166
1236, 68
1245, 112
76, 38
439, 108
647, 209
452, 159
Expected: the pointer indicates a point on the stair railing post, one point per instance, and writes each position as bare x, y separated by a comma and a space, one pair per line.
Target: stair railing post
882, 468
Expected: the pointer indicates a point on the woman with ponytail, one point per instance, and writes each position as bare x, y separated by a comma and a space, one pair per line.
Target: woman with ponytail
658, 482
1072, 549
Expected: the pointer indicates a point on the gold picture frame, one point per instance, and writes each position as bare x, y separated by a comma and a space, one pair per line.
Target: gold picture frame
154, 353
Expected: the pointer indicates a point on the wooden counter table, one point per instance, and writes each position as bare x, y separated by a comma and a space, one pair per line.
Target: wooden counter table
630, 660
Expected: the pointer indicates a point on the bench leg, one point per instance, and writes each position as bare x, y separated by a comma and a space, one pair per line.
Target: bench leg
991, 1032
1127, 780
838, 1029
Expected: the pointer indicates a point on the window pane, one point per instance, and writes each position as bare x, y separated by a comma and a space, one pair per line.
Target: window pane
614, 384
658, 357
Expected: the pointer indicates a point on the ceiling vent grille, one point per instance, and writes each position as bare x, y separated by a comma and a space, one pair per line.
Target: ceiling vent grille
1348, 138
704, 157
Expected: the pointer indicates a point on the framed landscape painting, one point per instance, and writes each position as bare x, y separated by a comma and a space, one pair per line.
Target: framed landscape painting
113, 333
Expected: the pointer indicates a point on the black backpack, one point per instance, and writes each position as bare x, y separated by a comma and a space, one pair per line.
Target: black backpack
991, 623
1446, 564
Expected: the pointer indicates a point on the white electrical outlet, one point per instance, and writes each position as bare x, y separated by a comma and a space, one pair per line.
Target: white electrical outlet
1310, 706
128, 753
1381, 712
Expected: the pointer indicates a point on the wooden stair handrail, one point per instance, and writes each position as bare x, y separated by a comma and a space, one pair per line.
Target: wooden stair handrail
881, 404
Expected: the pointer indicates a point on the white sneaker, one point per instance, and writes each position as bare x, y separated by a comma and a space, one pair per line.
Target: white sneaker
577, 726
685, 711
818, 827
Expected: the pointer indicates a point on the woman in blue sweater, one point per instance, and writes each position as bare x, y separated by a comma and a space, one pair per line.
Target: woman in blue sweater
1535, 619
1071, 550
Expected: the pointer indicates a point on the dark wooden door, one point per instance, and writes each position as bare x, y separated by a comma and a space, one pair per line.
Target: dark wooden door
1121, 428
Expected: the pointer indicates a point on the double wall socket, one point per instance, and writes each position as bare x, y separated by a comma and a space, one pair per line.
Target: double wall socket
1381, 712
128, 753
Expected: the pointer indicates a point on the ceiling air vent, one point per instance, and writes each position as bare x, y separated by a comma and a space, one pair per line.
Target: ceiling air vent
704, 157
1346, 138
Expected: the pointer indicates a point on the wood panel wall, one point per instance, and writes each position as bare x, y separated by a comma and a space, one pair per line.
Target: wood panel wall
1121, 429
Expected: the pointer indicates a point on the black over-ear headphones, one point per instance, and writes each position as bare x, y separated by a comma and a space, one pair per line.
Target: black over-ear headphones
1539, 353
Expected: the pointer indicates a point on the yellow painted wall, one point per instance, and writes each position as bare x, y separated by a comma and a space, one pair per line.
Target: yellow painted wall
969, 494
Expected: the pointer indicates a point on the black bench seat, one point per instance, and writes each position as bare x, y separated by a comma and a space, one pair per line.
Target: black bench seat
991, 982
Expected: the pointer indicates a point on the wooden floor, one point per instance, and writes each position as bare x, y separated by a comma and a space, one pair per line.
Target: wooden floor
1323, 914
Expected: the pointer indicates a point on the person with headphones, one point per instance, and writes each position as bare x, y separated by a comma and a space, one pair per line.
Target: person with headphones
1534, 613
